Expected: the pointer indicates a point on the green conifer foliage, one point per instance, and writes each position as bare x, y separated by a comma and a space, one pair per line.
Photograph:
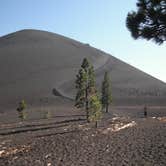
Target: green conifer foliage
95, 113
149, 21
81, 87
21, 107
106, 92
85, 86
91, 81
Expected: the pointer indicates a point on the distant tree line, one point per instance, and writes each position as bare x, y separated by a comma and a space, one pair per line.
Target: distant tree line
87, 96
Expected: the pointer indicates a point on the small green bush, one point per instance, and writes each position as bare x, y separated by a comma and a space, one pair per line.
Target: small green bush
21, 110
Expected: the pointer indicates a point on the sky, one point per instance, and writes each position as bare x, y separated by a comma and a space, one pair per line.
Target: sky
101, 23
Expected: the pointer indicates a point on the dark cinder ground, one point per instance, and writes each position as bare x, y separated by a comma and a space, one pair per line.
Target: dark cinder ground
71, 141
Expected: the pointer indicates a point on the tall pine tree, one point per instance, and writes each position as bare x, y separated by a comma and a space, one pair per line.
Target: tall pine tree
106, 92
85, 85
91, 80
81, 88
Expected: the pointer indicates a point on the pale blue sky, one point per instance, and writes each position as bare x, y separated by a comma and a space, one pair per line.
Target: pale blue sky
101, 23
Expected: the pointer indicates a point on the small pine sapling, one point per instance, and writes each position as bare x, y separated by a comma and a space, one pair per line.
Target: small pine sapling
95, 113
21, 110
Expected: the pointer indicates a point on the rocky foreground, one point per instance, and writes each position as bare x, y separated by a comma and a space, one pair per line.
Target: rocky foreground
131, 142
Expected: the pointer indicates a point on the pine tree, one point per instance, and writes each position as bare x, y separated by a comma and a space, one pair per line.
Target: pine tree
81, 88
85, 85
22, 106
85, 64
21, 113
149, 21
91, 81
106, 92
95, 113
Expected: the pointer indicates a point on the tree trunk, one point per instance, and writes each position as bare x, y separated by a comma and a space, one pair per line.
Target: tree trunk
87, 115
86, 105
96, 124
107, 108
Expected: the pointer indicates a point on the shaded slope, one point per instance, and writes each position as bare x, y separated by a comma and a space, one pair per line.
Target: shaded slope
33, 63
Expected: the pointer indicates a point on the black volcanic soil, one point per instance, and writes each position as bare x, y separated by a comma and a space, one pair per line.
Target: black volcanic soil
76, 143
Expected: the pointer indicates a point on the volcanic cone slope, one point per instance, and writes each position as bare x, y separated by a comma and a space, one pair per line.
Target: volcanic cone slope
37, 65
